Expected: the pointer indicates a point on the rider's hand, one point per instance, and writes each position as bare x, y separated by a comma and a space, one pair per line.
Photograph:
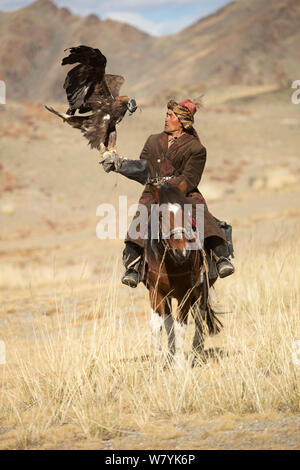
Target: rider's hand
111, 161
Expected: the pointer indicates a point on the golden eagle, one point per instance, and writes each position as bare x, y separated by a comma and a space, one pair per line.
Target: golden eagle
96, 97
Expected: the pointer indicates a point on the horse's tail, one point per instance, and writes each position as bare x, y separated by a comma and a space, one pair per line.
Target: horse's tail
214, 325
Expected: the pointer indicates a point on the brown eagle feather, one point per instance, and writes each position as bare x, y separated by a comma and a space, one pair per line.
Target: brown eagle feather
95, 97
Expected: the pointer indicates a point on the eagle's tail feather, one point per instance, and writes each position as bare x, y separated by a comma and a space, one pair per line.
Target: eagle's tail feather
74, 121
65, 117
84, 55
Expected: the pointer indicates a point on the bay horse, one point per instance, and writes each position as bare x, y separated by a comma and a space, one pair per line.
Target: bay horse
173, 271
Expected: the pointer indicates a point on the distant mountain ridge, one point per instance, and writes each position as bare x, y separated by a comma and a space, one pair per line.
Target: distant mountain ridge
249, 42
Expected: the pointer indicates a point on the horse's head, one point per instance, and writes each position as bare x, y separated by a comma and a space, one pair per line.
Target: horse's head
175, 219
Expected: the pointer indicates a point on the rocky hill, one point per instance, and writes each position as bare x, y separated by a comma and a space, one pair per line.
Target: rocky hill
249, 42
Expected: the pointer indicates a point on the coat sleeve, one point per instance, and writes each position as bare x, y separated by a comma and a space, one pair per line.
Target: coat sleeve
137, 170
193, 170
146, 150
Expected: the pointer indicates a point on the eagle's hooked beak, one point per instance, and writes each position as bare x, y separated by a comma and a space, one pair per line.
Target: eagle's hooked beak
131, 106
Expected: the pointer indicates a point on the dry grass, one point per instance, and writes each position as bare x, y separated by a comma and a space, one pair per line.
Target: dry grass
95, 372
79, 367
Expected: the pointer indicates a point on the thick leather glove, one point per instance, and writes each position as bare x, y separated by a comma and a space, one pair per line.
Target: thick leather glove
136, 170
111, 161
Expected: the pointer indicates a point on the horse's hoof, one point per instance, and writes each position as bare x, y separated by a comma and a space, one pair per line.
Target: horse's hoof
168, 361
198, 360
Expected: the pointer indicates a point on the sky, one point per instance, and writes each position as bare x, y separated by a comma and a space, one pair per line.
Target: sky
156, 17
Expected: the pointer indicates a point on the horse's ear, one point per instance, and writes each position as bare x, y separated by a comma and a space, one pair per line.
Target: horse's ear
155, 192
183, 187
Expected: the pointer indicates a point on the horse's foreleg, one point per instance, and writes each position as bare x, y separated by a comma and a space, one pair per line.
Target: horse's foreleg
169, 326
180, 327
198, 340
156, 321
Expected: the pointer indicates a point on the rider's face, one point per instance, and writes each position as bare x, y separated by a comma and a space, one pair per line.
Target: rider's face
172, 123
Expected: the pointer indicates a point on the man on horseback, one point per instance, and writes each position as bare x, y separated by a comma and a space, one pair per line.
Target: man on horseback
177, 155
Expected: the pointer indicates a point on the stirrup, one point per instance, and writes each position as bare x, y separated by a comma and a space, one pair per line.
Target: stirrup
225, 267
130, 278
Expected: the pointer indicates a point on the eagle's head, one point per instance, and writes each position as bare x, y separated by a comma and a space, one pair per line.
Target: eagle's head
131, 106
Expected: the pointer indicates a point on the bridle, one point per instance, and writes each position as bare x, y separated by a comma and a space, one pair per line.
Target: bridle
180, 230
176, 231
163, 237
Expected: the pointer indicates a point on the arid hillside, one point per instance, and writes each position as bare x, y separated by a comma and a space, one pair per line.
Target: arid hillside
249, 42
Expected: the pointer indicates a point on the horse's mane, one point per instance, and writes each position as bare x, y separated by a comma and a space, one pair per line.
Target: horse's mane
169, 193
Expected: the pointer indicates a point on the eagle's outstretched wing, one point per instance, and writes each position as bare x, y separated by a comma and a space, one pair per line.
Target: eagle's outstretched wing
114, 83
81, 80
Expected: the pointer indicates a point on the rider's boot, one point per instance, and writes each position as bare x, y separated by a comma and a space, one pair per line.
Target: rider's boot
224, 266
132, 256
